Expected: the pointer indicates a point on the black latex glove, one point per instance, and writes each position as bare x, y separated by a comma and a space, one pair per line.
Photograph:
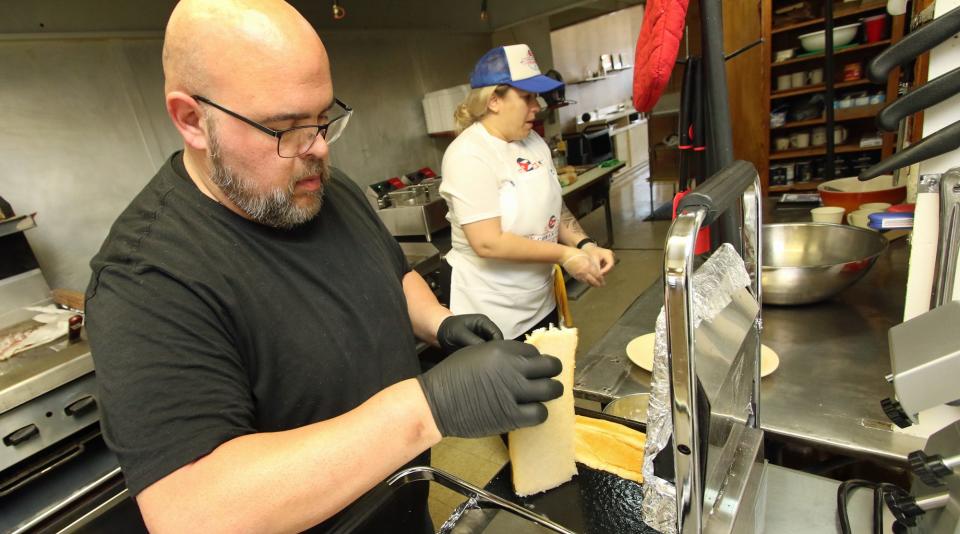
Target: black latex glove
491, 388
459, 331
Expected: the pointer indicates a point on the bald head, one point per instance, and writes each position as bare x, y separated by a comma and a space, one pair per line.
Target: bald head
221, 45
260, 60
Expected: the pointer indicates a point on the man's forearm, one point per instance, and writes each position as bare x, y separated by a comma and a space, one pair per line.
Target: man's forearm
426, 313
289, 481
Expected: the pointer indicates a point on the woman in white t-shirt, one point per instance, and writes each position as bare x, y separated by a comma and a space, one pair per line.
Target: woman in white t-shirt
508, 222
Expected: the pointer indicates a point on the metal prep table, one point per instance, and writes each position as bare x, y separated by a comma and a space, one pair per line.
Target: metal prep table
833, 360
590, 191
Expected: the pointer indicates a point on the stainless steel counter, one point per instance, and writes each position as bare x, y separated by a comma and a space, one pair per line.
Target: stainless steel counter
833, 359
589, 192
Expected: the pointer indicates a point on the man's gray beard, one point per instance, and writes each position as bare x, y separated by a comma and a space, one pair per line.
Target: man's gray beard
273, 208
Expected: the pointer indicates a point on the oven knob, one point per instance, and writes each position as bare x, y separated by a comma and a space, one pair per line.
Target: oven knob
80, 407
19, 436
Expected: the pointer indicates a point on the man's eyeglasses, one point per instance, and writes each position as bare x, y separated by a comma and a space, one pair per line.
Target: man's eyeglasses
296, 141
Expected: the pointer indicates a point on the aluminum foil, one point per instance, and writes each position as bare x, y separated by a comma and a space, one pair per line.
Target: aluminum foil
713, 286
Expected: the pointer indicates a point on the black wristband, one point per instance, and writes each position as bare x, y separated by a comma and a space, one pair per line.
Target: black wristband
584, 241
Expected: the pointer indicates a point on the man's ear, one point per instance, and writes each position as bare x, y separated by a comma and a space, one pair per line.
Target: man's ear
186, 116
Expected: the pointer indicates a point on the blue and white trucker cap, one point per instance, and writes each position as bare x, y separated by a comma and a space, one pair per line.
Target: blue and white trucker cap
512, 65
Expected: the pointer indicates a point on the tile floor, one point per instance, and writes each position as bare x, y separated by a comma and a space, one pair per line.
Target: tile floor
638, 245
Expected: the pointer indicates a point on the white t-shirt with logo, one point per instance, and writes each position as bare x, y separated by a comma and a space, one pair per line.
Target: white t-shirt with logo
486, 177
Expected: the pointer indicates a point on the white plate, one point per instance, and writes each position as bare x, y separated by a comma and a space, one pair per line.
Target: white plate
640, 352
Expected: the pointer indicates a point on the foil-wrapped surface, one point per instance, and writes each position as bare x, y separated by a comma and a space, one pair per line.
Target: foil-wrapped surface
713, 286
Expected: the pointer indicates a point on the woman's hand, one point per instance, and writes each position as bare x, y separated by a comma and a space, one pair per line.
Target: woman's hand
582, 266
603, 256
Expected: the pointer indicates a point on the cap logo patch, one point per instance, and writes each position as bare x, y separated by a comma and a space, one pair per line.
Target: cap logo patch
530, 61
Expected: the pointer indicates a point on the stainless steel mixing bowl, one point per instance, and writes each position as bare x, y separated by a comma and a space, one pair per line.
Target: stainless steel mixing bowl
632, 407
809, 262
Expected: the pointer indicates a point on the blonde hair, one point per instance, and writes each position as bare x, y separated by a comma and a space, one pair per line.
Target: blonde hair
474, 106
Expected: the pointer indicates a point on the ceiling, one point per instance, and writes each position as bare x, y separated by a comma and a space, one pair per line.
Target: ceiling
54, 16
456, 16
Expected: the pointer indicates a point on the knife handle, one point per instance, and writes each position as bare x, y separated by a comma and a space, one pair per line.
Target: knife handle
911, 46
935, 144
931, 93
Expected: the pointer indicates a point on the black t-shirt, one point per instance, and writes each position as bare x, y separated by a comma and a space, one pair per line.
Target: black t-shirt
205, 326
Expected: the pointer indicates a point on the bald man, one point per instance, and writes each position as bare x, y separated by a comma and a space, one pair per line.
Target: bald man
253, 324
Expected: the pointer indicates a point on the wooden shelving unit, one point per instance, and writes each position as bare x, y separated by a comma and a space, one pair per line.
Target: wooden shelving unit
856, 120
839, 13
819, 88
836, 52
840, 115
818, 151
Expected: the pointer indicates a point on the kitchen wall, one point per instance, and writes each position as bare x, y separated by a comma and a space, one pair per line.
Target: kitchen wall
384, 75
84, 125
83, 129
577, 49
535, 33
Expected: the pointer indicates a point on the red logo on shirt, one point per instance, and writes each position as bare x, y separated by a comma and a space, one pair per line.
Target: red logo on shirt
552, 222
527, 165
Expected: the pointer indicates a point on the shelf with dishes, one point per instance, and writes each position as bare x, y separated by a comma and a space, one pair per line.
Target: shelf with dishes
839, 115
848, 105
798, 99
837, 51
819, 151
806, 173
838, 15
817, 88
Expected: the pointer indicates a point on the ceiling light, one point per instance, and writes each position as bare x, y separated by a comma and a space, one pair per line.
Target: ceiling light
338, 11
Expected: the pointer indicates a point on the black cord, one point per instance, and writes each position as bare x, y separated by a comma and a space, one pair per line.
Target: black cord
879, 489
842, 492
878, 509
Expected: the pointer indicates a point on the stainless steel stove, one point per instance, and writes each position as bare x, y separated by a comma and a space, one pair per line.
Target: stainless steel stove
426, 259
56, 474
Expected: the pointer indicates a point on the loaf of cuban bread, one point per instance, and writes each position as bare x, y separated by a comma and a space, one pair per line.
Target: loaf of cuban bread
610, 447
542, 456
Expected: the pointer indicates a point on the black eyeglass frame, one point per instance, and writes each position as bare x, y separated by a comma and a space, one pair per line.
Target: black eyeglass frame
321, 128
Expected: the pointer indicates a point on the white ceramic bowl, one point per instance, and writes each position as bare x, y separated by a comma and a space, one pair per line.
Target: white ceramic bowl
816, 41
783, 55
859, 218
827, 214
874, 207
